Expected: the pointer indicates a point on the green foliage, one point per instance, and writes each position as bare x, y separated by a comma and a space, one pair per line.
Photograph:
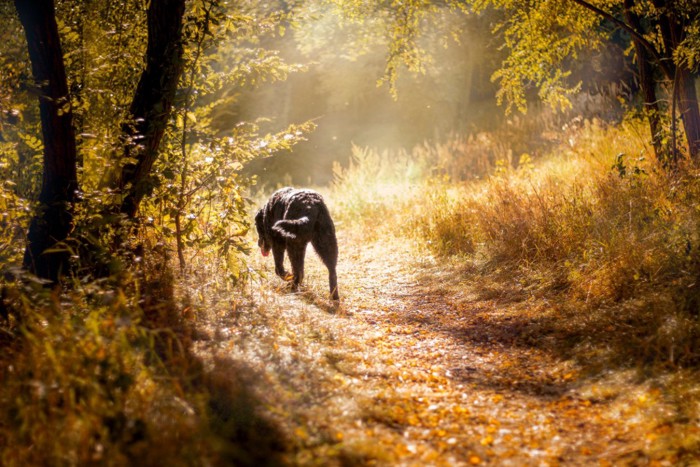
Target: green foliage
86, 380
103, 46
197, 197
98, 370
196, 182
687, 54
541, 38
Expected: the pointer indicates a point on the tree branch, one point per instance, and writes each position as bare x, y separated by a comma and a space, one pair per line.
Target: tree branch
635, 34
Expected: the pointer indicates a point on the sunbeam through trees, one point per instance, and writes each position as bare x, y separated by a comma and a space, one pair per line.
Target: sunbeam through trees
513, 188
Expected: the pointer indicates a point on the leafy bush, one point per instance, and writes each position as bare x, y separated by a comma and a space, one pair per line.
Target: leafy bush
88, 378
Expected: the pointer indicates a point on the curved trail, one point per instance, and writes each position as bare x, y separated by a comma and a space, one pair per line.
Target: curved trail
419, 366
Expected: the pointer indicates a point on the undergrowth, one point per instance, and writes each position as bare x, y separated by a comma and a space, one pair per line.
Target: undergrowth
598, 224
596, 233
96, 374
102, 372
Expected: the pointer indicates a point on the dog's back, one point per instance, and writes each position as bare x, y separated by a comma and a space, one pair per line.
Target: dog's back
305, 214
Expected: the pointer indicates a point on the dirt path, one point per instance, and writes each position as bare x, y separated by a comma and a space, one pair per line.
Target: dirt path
418, 366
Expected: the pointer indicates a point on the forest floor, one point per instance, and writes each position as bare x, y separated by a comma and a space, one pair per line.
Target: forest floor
423, 362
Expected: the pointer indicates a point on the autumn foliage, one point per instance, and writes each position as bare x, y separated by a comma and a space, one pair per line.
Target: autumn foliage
517, 290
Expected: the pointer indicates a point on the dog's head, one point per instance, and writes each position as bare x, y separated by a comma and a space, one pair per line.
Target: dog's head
263, 241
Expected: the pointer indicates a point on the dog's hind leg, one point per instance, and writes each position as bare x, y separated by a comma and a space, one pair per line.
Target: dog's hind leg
333, 284
296, 252
327, 248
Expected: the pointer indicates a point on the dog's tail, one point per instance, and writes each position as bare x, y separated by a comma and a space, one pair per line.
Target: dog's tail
290, 228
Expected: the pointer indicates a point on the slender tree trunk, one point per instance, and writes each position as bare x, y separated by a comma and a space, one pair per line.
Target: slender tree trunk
646, 83
690, 113
54, 221
153, 101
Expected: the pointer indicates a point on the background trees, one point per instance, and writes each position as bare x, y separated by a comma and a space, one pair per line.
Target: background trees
151, 94
547, 45
545, 37
115, 72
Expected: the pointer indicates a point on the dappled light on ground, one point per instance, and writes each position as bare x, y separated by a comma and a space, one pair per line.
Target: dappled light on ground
516, 288
420, 366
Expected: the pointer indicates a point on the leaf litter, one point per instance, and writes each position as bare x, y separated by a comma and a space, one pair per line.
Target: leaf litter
422, 364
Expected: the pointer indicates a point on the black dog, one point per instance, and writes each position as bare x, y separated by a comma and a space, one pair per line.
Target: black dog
289, 221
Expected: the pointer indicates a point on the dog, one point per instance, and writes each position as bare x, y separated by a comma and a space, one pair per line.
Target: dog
291, 219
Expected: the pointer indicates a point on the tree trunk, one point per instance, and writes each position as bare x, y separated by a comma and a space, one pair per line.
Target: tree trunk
646, 83
150, 108
54, 221
690, 113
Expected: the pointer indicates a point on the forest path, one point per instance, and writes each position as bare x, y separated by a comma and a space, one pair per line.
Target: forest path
419, 366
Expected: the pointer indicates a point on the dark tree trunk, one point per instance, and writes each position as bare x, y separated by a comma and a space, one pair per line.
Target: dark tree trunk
690, 113
54, 221
646, 83
150, 109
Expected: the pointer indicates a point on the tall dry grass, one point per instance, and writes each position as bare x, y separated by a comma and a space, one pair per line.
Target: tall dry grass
598, 224
105, 373
604, 220
89, 377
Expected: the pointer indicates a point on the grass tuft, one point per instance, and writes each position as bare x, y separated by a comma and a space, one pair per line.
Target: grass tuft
87, 381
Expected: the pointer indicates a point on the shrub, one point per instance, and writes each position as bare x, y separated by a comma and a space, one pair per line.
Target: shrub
597, 221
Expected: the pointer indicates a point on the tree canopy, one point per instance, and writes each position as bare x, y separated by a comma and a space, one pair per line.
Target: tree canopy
140, 104
544, 37
545, 40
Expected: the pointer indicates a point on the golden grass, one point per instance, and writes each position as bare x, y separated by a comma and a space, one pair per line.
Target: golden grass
593, 249
93, 376
598, 224
584, 258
